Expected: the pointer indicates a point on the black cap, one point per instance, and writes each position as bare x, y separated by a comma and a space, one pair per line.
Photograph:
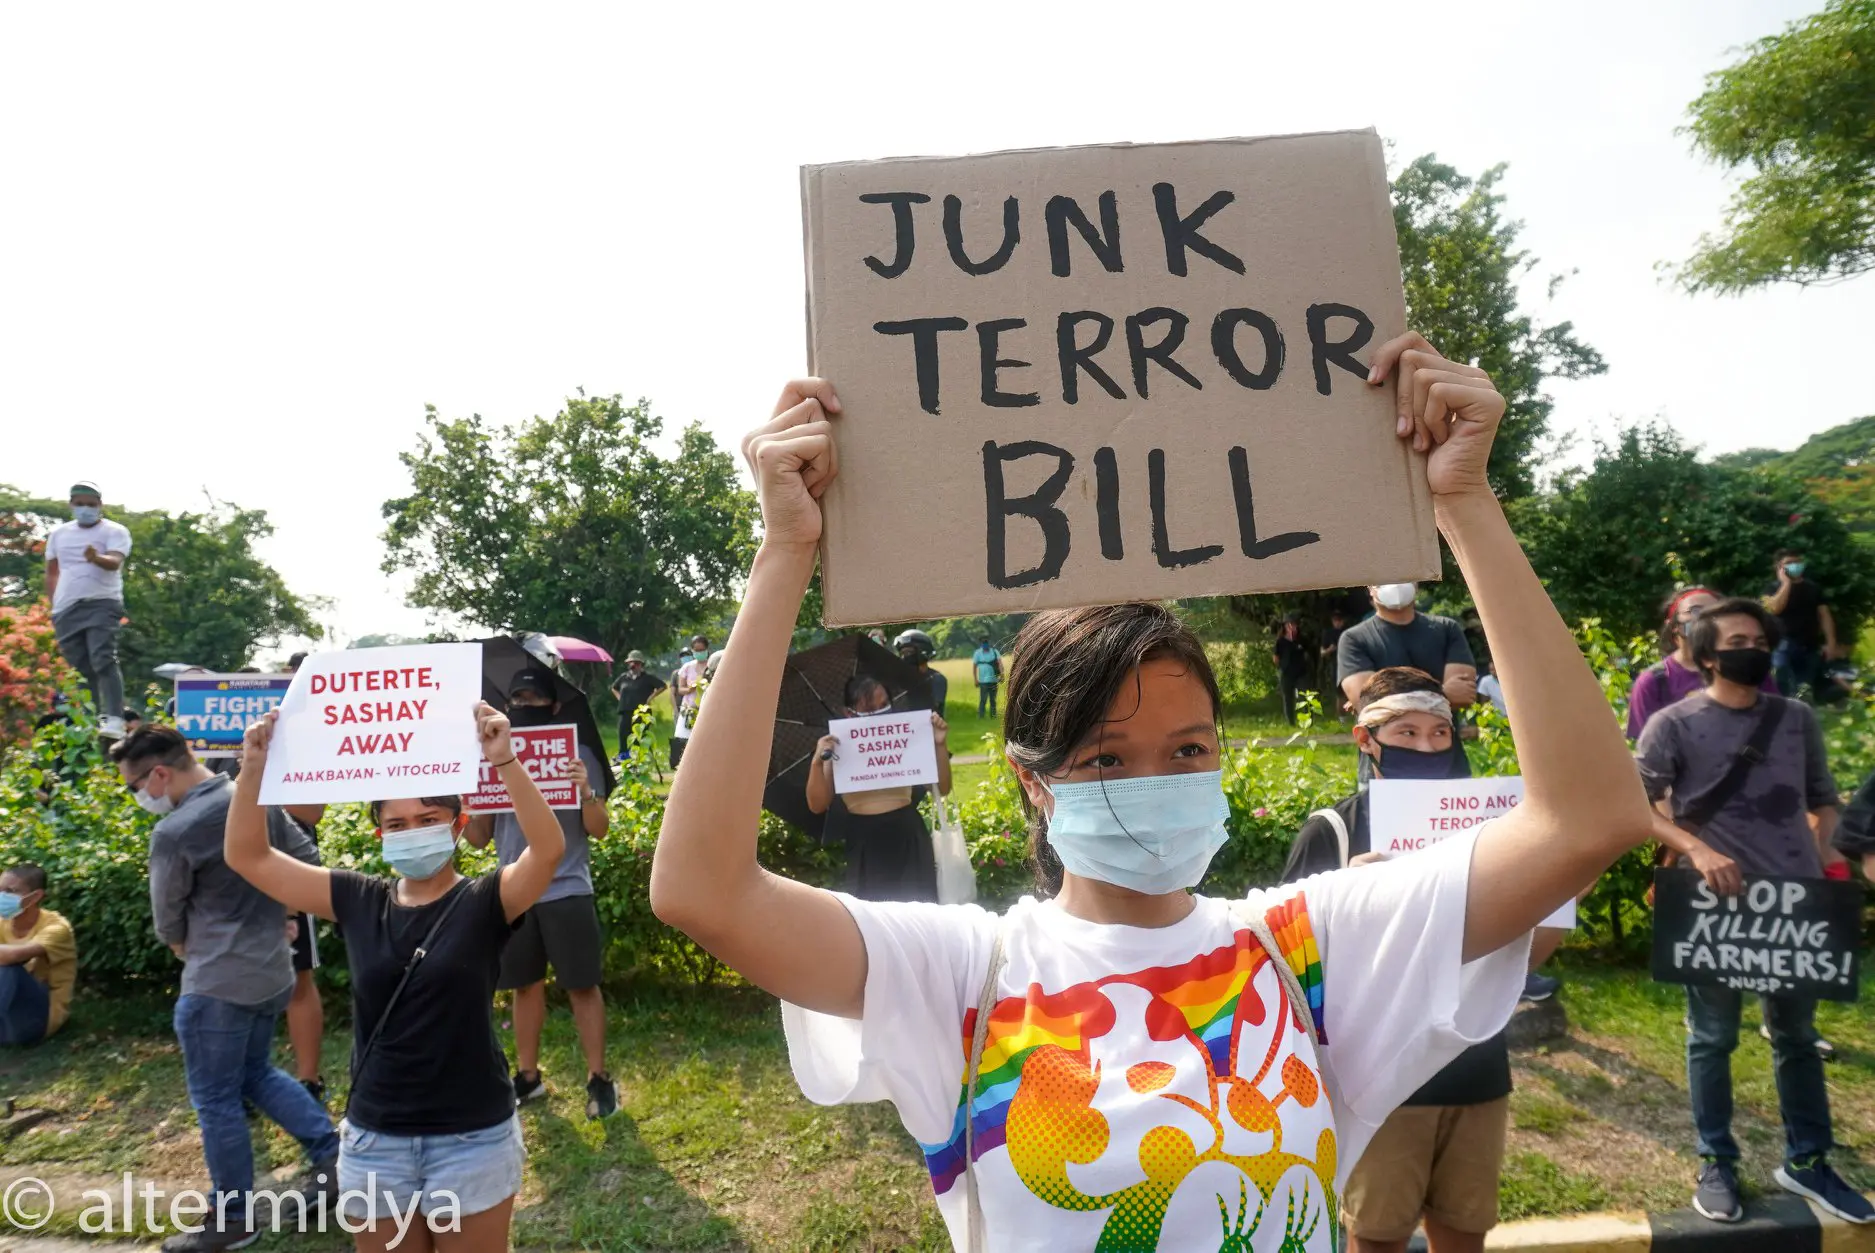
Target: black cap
534, 679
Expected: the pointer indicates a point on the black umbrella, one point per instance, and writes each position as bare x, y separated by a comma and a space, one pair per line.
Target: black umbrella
813, 691
503, 658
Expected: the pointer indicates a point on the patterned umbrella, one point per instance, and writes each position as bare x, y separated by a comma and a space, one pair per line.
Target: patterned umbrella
813, 689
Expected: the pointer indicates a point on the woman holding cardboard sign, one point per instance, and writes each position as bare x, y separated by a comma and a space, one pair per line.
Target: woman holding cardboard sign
888, 846
430, 1127
1125, 1063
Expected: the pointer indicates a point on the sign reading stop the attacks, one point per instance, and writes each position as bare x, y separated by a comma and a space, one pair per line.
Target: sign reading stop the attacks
547, 754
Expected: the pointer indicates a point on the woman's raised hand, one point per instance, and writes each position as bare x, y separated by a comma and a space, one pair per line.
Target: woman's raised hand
1449, 410
793, 458
491, 728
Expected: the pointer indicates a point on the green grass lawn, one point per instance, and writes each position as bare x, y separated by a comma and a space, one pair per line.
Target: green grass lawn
714, 1148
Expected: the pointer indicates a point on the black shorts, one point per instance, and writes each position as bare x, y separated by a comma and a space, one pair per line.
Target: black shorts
563, 934
305, 944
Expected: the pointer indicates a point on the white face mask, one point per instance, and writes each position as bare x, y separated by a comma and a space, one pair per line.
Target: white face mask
160, 804
1395, 595
1153, 834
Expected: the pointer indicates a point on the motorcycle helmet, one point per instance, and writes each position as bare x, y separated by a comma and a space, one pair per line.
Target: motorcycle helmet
919, 645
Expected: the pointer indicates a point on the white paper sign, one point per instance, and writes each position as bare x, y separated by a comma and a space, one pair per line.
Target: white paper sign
1409, 815
883, 750
377, 724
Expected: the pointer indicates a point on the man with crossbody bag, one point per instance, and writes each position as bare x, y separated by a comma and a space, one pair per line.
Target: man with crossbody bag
1738, 775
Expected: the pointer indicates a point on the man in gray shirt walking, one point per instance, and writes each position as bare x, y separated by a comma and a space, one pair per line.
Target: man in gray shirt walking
1758, 823
236, 978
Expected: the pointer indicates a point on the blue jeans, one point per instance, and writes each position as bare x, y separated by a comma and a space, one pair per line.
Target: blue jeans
1795, 666
24, 1004
227, 1054
1802, 1099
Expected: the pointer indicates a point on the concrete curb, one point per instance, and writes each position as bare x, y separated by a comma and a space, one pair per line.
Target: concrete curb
1773, 1224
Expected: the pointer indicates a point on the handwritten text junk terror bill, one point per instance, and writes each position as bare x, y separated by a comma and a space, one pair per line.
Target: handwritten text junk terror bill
1079, 375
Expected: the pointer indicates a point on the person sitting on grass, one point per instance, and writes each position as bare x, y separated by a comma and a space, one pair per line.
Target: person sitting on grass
1727, 830
431, 1122
38, 959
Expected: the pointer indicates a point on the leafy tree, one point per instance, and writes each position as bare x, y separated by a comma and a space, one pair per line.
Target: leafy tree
194, 588
1613, 540
572, 524
1796, 110
195, 591
1462, 266
1839, 465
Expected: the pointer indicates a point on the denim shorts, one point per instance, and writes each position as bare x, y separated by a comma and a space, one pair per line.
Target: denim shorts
477, 1170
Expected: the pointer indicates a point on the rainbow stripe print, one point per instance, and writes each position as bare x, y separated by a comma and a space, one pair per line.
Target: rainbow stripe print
1204, 1040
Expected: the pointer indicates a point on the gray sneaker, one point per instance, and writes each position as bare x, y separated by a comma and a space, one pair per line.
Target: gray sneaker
1717, 1195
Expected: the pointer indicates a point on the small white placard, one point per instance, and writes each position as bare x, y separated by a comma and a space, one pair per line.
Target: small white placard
883, 750
1410, 815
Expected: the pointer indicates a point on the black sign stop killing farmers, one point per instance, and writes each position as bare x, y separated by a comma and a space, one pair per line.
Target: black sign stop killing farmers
1783, 936
1079, 375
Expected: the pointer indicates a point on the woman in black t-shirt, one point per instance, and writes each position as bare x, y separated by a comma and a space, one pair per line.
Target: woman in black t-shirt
431, 1123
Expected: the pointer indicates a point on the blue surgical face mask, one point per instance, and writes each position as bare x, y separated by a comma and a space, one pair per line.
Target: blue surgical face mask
1407, 763
1794, 569
10, 905
87, 515
1154, 834
421, 851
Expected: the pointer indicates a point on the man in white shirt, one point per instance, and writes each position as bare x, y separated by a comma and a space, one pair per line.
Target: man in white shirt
85, 582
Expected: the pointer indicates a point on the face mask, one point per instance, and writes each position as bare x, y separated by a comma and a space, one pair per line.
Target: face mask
1794, 569
1743, 665
87, 515
159, 804
1395, 595
421, 851
1154, 835
1406, 763
529, 715
10, 905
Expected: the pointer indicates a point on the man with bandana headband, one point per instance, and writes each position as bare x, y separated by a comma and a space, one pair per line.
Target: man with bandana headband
85, 582
1437, 1158
562, 928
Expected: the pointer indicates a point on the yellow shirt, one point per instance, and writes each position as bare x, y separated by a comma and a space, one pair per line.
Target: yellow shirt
58, 969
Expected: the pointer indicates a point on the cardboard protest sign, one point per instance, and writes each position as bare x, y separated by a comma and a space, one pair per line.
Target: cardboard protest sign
1409, 815
1073, 376
1779, 935
547, 754
377, 724
214, 710
883, 750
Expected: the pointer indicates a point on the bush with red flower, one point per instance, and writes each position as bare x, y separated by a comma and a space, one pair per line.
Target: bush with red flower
31, 670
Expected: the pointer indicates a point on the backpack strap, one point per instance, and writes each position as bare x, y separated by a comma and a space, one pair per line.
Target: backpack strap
1333, 819
986, 1001
1253, 918
1704, 807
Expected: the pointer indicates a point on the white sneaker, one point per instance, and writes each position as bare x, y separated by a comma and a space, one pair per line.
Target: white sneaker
111, 728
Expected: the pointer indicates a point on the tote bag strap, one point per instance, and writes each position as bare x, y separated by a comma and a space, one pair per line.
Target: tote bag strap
1292, 987
986, 1001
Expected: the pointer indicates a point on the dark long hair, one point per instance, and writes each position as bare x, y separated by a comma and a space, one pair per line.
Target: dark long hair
1070, 665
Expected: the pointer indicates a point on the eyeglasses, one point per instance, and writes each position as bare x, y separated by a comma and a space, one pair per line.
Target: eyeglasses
136, 784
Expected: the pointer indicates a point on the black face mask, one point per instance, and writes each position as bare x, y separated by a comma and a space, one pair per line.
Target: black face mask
1748, 666
1406, 763
530, 715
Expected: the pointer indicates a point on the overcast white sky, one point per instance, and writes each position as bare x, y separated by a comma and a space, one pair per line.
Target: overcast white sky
245, 244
